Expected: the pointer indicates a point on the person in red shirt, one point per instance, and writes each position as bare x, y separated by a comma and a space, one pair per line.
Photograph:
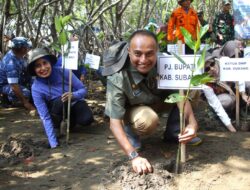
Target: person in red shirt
183, 16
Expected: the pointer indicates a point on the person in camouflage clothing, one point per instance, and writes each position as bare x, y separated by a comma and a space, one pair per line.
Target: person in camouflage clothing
224, 25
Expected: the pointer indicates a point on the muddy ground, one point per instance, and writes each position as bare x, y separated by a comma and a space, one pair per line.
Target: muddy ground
93, 161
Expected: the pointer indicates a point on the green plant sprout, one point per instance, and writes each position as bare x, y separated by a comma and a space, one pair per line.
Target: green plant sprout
160, 36
161, 39
61, 24
63, 35
195, 80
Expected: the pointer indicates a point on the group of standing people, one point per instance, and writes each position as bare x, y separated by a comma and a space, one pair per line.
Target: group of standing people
222, 29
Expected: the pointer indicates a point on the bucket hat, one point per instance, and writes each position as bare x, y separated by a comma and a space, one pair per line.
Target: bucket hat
212, 54
19, 42
114, 58
36, 54
209, 57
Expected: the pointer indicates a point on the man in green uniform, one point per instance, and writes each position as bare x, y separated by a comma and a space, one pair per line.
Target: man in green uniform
133, 99
224, 25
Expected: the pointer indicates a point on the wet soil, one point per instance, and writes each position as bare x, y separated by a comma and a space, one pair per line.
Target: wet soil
92, 160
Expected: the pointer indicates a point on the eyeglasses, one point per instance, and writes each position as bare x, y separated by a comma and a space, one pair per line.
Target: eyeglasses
208, 67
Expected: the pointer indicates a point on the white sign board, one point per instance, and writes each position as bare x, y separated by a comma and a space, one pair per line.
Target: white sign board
247, 52
175, 75
71, 60
174, 48
92, 60
234, 69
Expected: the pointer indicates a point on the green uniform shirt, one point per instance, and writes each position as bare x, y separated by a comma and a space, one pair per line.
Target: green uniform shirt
128, 88
224, 25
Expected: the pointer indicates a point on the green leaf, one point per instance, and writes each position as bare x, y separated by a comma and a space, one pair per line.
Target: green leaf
63, 38
179, 58
203, 30
197, 45
174, 98
188, 38
160, 35
87, 66
56, 47
66, 19
201, 79
58, 25
201, 60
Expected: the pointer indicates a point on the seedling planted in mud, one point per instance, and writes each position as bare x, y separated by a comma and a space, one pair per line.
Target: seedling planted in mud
63, 40
195, 80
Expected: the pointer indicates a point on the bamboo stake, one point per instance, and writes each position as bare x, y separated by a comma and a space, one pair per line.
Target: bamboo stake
237, 95
181, 155
63, 123
69, 105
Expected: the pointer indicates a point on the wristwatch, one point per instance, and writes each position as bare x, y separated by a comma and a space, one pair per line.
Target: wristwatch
133, 155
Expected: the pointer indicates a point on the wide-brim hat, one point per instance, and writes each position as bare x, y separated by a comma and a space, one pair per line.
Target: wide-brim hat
37, 54
209, 57
180, 1
114, 58
212, 54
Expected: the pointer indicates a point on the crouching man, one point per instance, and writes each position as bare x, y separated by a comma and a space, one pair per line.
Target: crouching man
133, 100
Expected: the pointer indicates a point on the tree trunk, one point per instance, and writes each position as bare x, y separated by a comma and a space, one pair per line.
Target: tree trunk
5, 16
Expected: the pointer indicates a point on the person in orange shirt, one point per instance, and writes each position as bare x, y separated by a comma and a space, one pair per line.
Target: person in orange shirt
183, 16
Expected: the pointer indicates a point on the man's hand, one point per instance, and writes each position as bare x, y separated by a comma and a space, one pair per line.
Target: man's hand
188, 134
66, 96
19, 94
220, 36
141, 165
245, 98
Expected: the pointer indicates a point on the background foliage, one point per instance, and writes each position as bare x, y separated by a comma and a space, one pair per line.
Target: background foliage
96, 22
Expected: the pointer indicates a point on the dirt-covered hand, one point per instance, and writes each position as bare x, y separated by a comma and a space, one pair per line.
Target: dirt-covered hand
188, 134
66, 96
141, 165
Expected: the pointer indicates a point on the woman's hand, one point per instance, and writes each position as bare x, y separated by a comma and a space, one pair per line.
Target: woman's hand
66, 96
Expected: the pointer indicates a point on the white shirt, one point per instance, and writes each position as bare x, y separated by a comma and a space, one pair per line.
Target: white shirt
215, 103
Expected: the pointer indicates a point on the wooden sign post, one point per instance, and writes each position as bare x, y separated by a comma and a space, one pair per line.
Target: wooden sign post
237, 94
